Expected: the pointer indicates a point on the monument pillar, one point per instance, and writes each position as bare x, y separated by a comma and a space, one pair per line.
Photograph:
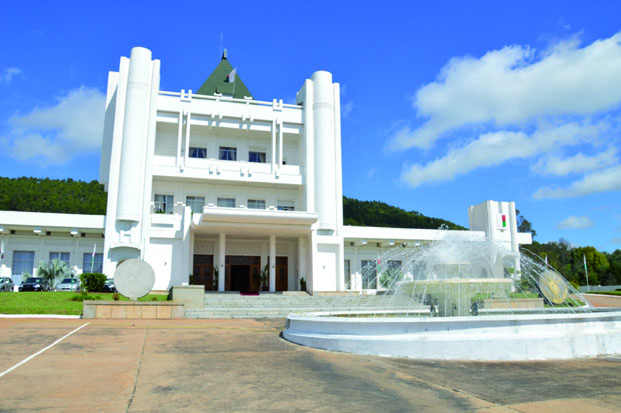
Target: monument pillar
272, 263
221, 261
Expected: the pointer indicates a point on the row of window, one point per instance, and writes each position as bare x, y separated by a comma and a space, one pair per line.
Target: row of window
163, 204
23, 261
227, 153
368, 273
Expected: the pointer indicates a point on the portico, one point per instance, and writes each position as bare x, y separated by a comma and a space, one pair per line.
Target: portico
233, 246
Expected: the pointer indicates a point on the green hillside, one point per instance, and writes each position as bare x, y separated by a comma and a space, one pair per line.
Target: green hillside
52, 195
380, 214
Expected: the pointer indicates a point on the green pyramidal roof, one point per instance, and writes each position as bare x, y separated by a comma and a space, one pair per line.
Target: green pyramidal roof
218, 82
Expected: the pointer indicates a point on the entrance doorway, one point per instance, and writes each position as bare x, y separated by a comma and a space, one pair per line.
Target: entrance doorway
242, 273
282, 274
240, 277
203, 272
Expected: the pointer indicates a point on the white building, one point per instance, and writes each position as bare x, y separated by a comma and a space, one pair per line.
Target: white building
219, 185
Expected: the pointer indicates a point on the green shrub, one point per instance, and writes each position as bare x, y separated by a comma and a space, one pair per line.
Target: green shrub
84, 296
93, 282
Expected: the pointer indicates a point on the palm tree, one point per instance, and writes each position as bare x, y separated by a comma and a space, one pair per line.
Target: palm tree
53, 270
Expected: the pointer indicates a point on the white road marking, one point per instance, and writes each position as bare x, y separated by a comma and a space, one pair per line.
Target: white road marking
26, 360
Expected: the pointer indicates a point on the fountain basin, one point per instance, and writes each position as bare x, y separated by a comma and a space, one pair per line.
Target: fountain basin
484, 338
454, 296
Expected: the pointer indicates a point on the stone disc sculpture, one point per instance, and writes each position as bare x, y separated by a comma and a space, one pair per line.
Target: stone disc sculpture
134, 278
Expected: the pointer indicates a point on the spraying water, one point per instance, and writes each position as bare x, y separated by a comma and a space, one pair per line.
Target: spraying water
458, 277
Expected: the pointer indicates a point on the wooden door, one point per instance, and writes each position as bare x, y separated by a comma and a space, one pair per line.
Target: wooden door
255, 274
282, 274
203, 272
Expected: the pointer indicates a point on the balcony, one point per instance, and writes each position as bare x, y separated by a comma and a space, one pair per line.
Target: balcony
236, 171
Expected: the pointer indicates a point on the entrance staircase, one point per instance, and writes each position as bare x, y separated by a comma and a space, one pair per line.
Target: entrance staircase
279, 305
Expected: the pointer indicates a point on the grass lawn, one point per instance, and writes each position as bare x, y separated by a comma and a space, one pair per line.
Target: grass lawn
56, 302
605, 292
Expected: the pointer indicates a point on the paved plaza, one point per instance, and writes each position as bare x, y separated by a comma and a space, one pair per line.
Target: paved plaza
244, 365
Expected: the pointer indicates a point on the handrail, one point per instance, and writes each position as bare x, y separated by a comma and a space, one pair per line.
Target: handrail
229, 99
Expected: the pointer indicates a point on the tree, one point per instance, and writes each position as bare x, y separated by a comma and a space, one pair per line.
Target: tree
597, 264
53, 270
524, 225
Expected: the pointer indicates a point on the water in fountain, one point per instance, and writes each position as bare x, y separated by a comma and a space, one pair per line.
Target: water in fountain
461, 277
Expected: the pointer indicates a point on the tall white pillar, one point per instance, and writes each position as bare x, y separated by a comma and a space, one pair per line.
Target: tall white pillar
221, 261
272, 263
134, 136
325, 150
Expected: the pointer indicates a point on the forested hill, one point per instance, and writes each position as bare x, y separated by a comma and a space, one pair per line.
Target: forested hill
380, 214
52, 195
78, 197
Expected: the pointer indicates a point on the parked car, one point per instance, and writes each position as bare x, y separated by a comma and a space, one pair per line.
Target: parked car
109, 286
6, 284
69, 284
35, 284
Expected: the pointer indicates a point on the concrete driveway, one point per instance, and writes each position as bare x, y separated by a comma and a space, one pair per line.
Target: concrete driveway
244, 365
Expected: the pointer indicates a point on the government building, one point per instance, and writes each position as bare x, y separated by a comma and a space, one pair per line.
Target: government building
215, 188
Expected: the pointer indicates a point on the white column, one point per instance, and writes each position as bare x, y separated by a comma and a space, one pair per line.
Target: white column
514, 242
186, 154
221, 259
179, 136
301, 261
134, 136
272, 263
280, 144
273, 145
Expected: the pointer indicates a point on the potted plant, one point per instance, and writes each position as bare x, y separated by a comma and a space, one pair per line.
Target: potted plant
302, 284
265, 274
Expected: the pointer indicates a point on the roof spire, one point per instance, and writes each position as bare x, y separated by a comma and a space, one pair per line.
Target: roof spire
224, 55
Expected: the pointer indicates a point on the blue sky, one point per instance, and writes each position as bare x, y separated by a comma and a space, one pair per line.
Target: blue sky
444, 104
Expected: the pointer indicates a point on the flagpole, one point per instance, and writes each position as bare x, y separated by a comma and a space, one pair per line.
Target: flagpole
586, 271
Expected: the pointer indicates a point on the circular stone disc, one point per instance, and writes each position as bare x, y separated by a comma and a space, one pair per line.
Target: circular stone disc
553, 286
134, 278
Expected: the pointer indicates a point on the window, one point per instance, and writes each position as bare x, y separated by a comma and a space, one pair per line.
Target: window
256, 204
258, 157
23, 262
226, 202
163, 204
394, 265
285, 206
369, 274
63, 256
228, 153
196, 203
347, 274
90, 264
196, 152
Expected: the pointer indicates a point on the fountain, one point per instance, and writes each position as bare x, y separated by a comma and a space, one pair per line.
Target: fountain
468, 300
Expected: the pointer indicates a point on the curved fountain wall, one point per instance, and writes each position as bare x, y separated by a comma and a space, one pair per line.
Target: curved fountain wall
483, 338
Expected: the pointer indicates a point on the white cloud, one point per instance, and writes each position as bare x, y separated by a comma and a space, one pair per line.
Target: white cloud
577, 163
574, 222
54, 134
516, 85
608, 179
9, 74
346, 109
616, 240
495, 148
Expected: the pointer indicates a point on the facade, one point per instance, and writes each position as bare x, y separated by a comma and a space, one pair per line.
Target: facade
219, 187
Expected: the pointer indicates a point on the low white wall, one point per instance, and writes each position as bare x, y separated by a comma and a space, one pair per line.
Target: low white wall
485, 338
